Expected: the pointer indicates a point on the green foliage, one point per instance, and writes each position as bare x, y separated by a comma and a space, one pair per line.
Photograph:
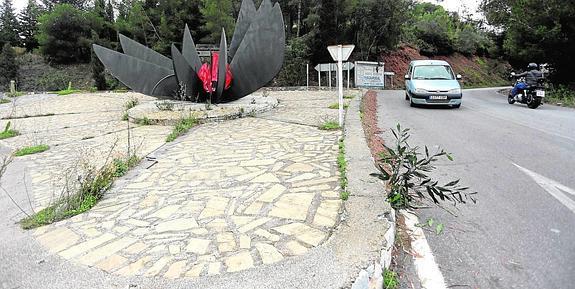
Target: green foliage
98, 71
336, 106
342, 166
181, 128
29, 25
432, 29
561, 94
14, 94
329, 125
390, 279
92, 186
8, 25
3, 101
64, 35
218, 14
407, 170
8, 132
144, 121
536, 31
296, 57
8, 65
31, 150
132, 102
165, 105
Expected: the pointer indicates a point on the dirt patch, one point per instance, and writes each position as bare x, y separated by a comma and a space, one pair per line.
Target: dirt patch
477, 71
369, 122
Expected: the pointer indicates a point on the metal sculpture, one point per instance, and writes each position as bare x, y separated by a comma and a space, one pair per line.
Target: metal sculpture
256, 55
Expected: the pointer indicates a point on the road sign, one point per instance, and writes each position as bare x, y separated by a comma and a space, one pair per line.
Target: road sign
340, 53
345, 51
369, 74
324, 67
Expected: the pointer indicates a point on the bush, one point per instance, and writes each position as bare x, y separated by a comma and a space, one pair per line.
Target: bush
296, 57
64, 35
8, 65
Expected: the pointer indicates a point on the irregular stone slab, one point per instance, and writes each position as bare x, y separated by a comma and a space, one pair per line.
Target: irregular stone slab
292, 206
268, 253
302, 232
198, 246
240, 261
182, 224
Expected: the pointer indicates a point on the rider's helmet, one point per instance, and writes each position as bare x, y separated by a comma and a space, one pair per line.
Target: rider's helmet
532, 66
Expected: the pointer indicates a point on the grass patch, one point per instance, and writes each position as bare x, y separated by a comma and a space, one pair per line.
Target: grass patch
8, 132
336, 106
15, 94
67, 91
390, 280
3, 101
348, 96
181, 128
561, 95
131, 103
90, 190
329, 125
342, 166
125, 116
144, 121
31, 150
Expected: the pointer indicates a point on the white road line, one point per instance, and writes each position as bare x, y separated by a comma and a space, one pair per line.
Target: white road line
552, 187
427, 270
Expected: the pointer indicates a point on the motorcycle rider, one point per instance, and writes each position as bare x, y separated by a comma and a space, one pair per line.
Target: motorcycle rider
531, 77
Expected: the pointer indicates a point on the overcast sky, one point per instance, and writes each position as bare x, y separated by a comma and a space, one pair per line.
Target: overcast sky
461, 6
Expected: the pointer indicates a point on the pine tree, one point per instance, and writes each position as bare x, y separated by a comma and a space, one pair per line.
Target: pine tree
8, 25
8, 66
218, 15
29, 25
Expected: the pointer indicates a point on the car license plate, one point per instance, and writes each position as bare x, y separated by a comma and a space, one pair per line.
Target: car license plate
540, 93
438, 97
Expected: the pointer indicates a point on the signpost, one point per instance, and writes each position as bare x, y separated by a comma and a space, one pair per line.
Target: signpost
340, 53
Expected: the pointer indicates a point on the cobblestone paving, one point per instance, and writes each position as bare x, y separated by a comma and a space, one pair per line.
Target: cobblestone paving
224, 198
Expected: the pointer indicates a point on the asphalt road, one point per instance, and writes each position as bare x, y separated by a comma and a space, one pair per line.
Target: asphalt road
519, 234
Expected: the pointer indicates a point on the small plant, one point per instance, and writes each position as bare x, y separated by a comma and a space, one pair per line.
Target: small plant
144, 121
407, 174
342, 166
93, 89
329, 125
3, 101
390, 279
68, 90
431, 223
165, 105
15, 94
131, 103
125, 116
348, 96
122, 166
8, 133
336, 106
31, 150
265, 93
181, 128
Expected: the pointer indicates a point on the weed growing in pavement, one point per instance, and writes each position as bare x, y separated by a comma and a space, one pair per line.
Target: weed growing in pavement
68, 90
348, 96
125, 116
3, 101
131, 103
342, 165
406, 170
83, 193
181, 128
336, 106
8, 132
390, 279
31, 150
15, 94
165, 105
329, 125
431, 223
144, 121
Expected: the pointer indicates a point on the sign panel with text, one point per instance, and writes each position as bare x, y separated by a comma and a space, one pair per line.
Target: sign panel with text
369, 74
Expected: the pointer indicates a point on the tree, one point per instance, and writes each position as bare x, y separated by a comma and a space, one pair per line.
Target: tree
536, 31
296, 57
8, 25
64, 35
50, 4
98, 70
8, 65
29, 25
218, 15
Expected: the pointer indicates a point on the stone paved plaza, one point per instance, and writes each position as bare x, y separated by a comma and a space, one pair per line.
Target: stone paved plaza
225, 197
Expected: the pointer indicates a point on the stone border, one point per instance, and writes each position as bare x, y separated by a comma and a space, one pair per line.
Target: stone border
370, 277
246, 106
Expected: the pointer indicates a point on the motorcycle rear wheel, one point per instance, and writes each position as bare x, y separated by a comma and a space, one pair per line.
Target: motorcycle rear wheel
534, 103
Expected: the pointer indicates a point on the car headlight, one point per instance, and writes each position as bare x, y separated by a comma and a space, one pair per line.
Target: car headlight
420, 90
455, 91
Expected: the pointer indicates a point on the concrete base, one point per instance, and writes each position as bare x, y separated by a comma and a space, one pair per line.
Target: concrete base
169, 112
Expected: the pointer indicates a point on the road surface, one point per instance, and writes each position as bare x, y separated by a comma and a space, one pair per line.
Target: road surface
521, 233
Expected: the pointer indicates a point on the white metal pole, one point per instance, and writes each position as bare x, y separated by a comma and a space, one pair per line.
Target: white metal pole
348, 65
329, 75
319, 78
340, 83
307, 76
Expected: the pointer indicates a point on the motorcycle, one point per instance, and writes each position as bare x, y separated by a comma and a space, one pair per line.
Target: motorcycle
532, 95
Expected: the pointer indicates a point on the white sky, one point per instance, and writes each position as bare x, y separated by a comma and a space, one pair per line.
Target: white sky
19, 4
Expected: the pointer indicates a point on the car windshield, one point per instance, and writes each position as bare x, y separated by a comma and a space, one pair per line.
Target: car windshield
432, 72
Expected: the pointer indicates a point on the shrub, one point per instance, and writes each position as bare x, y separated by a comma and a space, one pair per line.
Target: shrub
407, 175
8, 65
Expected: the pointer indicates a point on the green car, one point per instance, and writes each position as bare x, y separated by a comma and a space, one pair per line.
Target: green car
432, 82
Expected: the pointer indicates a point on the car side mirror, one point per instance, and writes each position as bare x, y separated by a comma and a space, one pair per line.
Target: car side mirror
407, 77
458, 77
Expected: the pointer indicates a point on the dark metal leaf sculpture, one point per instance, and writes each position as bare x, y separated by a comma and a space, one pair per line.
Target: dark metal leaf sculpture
255, 56
247, 14
137, 74
261, 53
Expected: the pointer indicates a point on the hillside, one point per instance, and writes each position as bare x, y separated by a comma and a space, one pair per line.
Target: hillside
476, 71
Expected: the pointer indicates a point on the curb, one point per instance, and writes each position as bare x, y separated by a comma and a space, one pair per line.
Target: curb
361, 164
